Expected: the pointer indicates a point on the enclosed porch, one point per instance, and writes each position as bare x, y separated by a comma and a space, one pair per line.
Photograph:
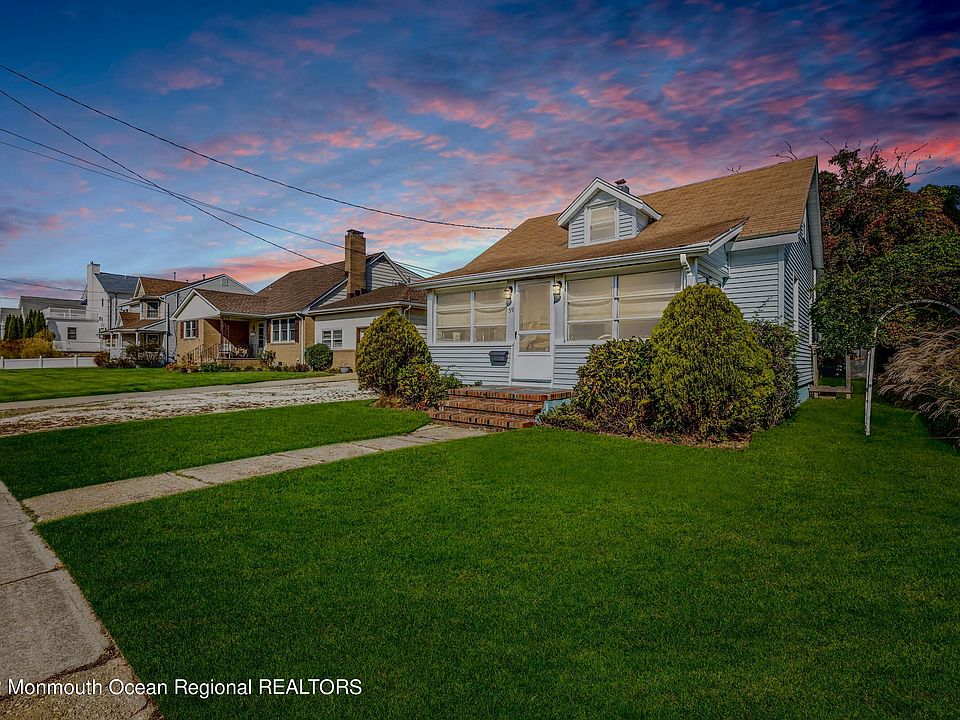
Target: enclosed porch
223, 340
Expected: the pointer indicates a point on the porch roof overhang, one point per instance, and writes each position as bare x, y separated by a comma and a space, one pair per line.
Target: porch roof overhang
363, 308
610, 261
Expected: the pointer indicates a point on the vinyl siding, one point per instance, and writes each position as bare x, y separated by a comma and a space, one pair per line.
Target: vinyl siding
577, 230
472, 363
798, 263
754, 283
566, 360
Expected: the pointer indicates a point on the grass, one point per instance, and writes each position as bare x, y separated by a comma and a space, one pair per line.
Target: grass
16, 385
549, 574
38, 463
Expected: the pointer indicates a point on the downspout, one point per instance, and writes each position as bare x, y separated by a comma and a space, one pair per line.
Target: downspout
686, 265
303, 330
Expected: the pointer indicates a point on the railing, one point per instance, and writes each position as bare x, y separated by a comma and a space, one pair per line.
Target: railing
69, 314
222, 352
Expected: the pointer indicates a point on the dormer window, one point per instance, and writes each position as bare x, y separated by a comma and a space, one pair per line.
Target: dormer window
603, 223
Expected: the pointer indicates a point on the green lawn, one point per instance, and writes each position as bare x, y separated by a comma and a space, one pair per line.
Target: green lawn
38, 463
548, 574
68, 382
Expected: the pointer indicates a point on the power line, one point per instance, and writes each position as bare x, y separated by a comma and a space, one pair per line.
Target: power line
39, 285
115, 175
239, 168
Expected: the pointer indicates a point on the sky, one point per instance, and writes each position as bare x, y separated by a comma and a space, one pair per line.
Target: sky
473, 113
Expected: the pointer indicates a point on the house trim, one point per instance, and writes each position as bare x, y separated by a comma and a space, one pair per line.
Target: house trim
599, 185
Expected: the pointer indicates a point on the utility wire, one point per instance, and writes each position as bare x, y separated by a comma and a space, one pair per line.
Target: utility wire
239, 168
130, 180
159, 187
39, 285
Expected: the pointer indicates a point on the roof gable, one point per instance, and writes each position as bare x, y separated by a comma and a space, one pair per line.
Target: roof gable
602, 186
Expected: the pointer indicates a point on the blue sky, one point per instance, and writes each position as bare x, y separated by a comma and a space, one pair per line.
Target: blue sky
476, 113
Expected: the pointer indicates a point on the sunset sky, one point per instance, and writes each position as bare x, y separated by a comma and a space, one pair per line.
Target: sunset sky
465, 112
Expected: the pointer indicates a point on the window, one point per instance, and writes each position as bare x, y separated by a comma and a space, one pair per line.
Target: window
625, 306
153, 309
284, 330
590, 309
477, 315
641, 299
224, 281
189, 329
603, 223
332, 338
71, 333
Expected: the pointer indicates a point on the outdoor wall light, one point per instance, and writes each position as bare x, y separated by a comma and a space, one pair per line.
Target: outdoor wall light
508, 293
557, 289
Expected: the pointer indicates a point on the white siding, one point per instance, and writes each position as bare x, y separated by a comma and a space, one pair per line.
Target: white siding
383, 274
577, 230
798, 264
754, 283
472, 363
566, 360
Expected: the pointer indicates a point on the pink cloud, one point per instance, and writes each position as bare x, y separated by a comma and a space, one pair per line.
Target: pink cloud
313, 45
848, 83
185, 79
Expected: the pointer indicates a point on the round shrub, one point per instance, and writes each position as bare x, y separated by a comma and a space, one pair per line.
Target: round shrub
423, 385
318, 357
781, 342
101, 358
390, 344
709, 376
613, 389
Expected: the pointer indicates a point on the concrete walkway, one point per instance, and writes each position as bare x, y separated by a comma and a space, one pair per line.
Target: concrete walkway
87, 399
50, 633
65, 503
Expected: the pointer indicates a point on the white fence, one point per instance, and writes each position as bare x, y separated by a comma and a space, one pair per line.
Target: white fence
45, 363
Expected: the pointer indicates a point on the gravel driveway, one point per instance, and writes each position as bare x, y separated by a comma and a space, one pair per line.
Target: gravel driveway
193, 401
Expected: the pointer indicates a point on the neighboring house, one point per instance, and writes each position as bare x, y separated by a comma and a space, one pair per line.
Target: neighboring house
74, 328
284, 316
105, 293
148, 315
528, 309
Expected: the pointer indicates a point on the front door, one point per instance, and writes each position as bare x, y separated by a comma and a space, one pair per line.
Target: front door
533, 347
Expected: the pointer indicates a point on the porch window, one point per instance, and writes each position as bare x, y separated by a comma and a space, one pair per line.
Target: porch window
153, 309
284, 330
642, 298
603, 223
71, 333
590, 309
453, 317
332, 338
474, 315
189, 329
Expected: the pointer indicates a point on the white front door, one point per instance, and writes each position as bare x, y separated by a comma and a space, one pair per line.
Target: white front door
533, 347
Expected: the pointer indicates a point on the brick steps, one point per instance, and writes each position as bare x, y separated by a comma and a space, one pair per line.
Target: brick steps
504, 408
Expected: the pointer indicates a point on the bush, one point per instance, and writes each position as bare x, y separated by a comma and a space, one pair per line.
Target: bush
390, 344
120, 363
144, 355
39, 346
209, 367
268, 358
781, 342
710, 377
926, 376
101, 358
300, 367
423, 385
318, 357
613, 389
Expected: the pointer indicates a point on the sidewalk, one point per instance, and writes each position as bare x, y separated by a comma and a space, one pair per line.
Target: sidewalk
65, 503
86, 399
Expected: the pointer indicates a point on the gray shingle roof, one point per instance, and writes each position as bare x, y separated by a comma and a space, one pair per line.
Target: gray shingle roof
114, 283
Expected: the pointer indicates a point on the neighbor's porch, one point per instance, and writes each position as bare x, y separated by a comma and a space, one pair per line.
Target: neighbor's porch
226, 340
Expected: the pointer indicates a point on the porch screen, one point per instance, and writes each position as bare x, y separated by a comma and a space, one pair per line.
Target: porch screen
453, 317
590, 309
489, 315
642, 298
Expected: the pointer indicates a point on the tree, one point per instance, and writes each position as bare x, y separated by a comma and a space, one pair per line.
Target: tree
390, 344
883, 244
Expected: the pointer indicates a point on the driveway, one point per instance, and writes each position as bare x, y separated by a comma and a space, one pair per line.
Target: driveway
68, 412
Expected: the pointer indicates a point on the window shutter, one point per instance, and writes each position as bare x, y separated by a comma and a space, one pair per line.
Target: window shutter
296, 330
181, 330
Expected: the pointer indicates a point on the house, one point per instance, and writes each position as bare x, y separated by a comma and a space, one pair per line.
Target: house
74, 328
329, 303
105, 293
147, 316
527, 310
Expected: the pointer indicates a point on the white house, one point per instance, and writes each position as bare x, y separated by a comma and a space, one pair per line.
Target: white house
105, 293
528, 309
73, 326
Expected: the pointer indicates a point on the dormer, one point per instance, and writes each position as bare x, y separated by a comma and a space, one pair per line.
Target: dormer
605, 212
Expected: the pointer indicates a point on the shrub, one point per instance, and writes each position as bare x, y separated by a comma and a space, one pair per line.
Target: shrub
144, 355
209, 367
710, 377
568, 417
390, 344
781, 342
101, 358
423, 385
120, 363
926, 376
319, 357
268, 359
300, 367
613, 389
39, 346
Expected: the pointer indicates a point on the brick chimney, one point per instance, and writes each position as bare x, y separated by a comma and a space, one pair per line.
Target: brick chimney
355, 249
